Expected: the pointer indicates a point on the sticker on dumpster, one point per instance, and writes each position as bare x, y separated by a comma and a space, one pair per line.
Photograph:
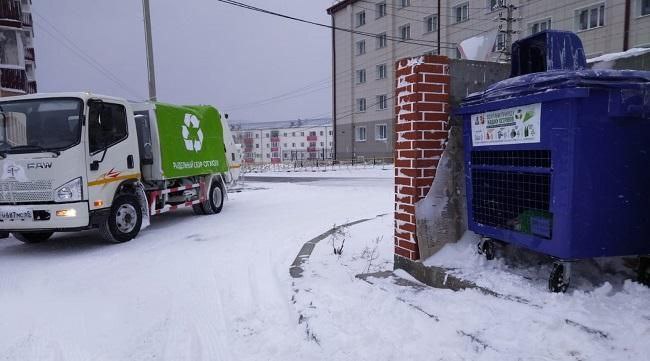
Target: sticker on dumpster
507, 126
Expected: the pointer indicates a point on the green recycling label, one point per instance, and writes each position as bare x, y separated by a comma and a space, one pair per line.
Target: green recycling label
507, 126
191, 140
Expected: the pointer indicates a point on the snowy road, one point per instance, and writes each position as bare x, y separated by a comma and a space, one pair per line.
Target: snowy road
188, 288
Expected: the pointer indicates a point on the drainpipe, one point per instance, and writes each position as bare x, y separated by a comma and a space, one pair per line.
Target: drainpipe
333, 87
626, 25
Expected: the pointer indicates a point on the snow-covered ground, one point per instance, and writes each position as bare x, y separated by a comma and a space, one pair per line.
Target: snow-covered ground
378, 171
218, 288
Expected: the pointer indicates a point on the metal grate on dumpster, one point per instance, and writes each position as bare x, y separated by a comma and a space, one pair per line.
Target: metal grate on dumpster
516, 201
515, 158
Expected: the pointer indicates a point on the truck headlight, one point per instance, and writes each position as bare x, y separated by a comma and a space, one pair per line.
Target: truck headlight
69, 192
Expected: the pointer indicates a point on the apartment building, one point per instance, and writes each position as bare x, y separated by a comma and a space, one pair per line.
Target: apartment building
284, 141
17, 58
384, 31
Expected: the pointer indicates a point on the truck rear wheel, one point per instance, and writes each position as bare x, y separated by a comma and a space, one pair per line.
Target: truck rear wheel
33, 237
124, 221
214, 203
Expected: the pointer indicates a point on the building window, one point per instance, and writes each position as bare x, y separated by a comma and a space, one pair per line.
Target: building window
322, 144
361, 18
381, 71
321, 133
644, 7
404, 3
268, 155
361, 105
405, 32
293, 145
268, 145
382, 41
500, 42
431, 24
285, 134
538, 26
361, 47
381, 132
382, 102
257, 146
494, 4
267, 135
302, 144
330, 132
361, 134
460, 13
302, 134
361, 76
257, 135
284, 145
380, 9
591, 17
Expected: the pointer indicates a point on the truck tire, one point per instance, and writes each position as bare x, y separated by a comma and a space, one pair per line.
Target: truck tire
214, 203
33, 237
124, 221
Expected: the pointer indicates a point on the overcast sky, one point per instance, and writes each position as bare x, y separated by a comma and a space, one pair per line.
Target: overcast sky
206, 52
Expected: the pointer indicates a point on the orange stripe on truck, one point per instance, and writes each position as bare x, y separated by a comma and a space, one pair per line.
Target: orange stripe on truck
103, 181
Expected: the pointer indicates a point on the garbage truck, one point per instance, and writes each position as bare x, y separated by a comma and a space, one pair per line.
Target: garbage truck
78, 161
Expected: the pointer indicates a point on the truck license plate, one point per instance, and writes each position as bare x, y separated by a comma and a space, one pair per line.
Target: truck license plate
12, 214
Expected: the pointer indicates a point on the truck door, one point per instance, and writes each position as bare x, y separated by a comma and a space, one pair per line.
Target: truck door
112, 153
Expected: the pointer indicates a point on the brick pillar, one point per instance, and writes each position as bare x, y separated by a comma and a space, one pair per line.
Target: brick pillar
422, 108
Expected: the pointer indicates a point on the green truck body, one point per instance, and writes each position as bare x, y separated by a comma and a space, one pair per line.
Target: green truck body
191, 140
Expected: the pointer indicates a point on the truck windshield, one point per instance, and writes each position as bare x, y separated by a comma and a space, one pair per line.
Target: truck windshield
39, 125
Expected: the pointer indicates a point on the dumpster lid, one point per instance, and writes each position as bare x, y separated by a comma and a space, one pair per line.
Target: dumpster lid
559, 79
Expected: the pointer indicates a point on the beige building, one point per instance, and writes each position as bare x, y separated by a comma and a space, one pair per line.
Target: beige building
17, 58
382, 31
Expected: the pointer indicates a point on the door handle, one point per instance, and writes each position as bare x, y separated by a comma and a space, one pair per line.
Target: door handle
129, 161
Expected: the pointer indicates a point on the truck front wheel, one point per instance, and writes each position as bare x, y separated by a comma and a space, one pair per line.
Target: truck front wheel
33, 237
124, 221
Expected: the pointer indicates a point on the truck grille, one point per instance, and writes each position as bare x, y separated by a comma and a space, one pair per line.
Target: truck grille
21, 192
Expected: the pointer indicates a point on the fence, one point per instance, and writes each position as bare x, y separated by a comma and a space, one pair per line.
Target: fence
316, 165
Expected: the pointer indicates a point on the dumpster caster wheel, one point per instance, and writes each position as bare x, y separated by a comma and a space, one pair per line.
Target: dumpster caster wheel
643, 274
560, 277
486, 248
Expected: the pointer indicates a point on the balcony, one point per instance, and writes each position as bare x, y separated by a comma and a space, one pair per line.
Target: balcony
312, 138
10, 13
27, 20
30, 54
275, 138
311, 149
248, 141
275, 149
13, 80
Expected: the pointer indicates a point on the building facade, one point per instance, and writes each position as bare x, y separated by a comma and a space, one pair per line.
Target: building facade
277, 142
17, 56
380, 32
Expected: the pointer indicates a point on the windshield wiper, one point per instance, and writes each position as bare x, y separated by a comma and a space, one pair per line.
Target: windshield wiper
35, 147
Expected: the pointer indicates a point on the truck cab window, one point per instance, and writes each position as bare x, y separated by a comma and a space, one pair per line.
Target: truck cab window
143, 128
106, 126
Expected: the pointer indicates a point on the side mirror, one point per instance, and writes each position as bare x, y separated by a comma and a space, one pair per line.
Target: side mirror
94, 166
225, 115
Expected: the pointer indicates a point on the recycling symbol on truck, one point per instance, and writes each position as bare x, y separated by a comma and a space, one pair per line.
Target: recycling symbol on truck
192, 133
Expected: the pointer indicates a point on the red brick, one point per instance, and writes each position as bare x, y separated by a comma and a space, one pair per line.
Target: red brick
413, 78
403, 145
433, 78
412, 154
429, 107
402, 217
431, 153
423, 182
430, 68
440, 117
403, 235
426, 163
406, 208
403, 181
407, 191
429, 125
426, 144
408, 245
409, 116
402, 252
429, 172
436, 135
403, 127
430, 97
428, 88
402, 163
409, 227
411, 135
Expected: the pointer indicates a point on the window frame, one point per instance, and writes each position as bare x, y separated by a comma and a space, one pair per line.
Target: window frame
360, 102
378, 70
402, 34
454, 15
588, 9
548, 21
378, 132
435, 24
639, 10
382, 40
404, 3
116, 142
357, 135
360, 19
381, 10
360, 76
360, 47
382, 102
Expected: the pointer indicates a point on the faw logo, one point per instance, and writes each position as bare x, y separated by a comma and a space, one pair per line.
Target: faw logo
192, 133
39, 165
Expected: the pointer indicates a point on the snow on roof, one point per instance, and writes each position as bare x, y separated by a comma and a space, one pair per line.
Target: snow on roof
621, 55
299, 123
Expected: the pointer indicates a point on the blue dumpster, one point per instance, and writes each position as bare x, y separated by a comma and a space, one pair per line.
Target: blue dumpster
558, 156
